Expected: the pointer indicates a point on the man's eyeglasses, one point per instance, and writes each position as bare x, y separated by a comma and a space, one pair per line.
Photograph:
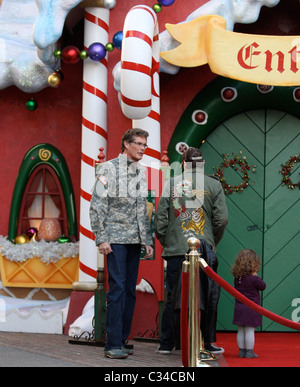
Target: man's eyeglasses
140, 144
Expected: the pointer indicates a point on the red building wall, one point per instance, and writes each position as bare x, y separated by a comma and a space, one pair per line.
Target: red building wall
57, 119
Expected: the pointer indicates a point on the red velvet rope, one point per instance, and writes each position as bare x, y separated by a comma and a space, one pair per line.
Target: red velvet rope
184, 337
231, 290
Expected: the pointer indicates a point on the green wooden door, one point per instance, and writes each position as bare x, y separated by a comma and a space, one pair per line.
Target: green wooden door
265, 215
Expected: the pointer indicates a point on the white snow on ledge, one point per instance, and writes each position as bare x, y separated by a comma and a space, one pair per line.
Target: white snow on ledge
38, 316
48, 251
31, 316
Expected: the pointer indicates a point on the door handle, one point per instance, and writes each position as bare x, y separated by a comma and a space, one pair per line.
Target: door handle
253, 227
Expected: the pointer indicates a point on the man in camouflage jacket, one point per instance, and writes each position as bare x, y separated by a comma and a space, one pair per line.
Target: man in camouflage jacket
119, 220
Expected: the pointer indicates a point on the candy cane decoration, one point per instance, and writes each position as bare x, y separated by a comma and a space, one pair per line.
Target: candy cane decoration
94, 133
140, 99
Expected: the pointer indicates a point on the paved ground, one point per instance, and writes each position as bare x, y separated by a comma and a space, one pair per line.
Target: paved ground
46, 350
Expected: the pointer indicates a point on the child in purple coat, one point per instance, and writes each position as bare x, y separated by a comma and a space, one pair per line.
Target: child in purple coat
247, 282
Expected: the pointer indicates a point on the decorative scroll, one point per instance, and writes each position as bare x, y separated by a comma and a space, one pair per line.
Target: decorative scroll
261, 59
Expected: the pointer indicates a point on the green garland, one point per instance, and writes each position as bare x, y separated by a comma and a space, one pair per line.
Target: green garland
286, 171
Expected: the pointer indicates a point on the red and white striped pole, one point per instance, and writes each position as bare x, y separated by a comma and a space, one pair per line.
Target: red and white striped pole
94, 132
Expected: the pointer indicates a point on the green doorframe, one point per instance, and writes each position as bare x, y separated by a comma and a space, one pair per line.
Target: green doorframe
209, 100
215, 110
49, 155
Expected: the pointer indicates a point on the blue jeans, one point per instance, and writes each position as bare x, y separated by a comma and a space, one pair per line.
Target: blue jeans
122, 266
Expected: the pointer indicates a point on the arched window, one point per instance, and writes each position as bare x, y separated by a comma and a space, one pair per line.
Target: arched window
43, 190
43, 198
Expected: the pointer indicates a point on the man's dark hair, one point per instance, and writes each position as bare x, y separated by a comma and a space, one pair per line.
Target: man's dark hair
130, 134
192, 155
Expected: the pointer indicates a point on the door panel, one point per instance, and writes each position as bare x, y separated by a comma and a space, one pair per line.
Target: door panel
282, 209
267, 138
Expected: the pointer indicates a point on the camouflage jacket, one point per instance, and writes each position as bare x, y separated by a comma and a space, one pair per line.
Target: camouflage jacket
118, 211
191, 205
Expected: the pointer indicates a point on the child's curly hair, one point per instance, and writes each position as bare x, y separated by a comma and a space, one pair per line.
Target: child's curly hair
246, 262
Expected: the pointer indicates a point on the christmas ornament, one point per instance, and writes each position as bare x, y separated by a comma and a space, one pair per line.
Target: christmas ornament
109, 47
156, 8
70, 54
21, 239
54, 80
200, 117
34, 238
296, 94
31, 231
57, 53
83, 54
64, 239
109, 4
236, 163
286, 172
117, 39
31, 104
49, 229
96, 51
228, 94
166, 3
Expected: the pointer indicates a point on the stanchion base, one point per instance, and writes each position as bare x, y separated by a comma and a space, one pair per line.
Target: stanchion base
202, 364
207, 356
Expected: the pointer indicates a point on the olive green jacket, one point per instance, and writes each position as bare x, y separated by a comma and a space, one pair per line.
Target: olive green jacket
191, 205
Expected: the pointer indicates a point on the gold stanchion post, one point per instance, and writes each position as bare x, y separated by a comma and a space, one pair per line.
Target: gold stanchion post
194, 305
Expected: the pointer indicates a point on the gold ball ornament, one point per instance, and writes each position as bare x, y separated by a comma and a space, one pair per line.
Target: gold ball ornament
49, 229
54, 79
21, 239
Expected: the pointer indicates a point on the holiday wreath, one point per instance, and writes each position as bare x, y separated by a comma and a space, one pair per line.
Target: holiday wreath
286, 171
235, 163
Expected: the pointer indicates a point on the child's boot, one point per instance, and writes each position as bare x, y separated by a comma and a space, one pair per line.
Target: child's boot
250, 354
242, 352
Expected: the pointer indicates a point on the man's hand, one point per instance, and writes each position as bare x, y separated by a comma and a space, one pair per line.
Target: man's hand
149, 251
104, 248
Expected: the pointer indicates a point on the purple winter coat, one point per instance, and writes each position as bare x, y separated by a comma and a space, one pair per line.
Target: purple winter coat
249, 286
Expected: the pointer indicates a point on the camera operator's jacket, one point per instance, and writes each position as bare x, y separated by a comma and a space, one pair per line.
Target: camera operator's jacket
118, 208
191, 205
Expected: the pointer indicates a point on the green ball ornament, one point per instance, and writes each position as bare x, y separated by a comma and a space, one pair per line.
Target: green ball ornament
31, 104
84, 54
57, 53
109, 47
64, 239
157, 8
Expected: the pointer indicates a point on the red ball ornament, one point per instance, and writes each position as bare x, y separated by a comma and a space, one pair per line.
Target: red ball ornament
228, 94
297, 94
70, 54
200, 117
